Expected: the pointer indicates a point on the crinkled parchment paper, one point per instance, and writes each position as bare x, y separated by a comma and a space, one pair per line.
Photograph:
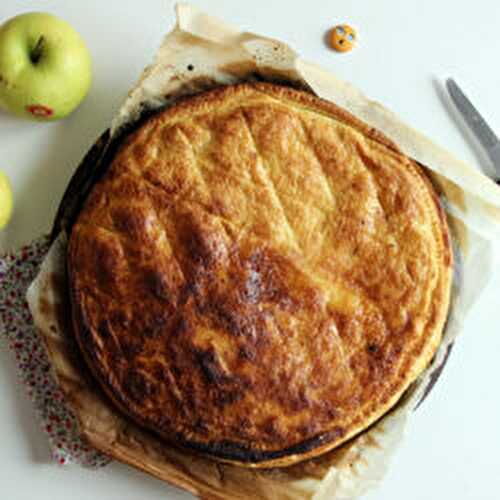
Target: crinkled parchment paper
202, 52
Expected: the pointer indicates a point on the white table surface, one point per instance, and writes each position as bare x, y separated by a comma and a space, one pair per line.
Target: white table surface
406, 49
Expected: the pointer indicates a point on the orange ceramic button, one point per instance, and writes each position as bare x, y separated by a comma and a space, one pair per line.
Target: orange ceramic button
342, 38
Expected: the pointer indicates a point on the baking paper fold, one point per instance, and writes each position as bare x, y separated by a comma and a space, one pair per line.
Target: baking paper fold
202, 52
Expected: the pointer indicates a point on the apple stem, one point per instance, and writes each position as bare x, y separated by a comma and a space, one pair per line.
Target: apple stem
37, 50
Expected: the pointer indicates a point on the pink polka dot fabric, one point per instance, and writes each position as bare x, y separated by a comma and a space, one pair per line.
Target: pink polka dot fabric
17, 271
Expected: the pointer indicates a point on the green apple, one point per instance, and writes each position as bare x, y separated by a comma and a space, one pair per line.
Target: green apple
45, 67
6, 201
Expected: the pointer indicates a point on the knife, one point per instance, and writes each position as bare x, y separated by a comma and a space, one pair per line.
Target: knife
482, 131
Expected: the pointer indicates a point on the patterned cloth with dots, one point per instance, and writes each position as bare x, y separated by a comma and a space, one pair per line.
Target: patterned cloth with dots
17, 271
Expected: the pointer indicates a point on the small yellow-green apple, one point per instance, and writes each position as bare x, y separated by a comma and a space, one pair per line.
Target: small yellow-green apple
45, 66
6, 201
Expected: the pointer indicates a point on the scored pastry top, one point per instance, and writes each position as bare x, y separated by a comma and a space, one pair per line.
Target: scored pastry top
258, 275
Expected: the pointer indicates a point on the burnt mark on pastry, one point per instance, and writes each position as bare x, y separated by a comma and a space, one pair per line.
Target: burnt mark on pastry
247, 353
307, 429
266, 281
129, 220
104, 329
238, 320
157, 284
270, 428
121, 318
155, 325
296, 401
131, 349
229, 388
232, 450
160, 372
210, 367
199, 248
228, 397
137, 385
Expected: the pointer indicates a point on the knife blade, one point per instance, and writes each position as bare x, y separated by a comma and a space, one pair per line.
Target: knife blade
482, 131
